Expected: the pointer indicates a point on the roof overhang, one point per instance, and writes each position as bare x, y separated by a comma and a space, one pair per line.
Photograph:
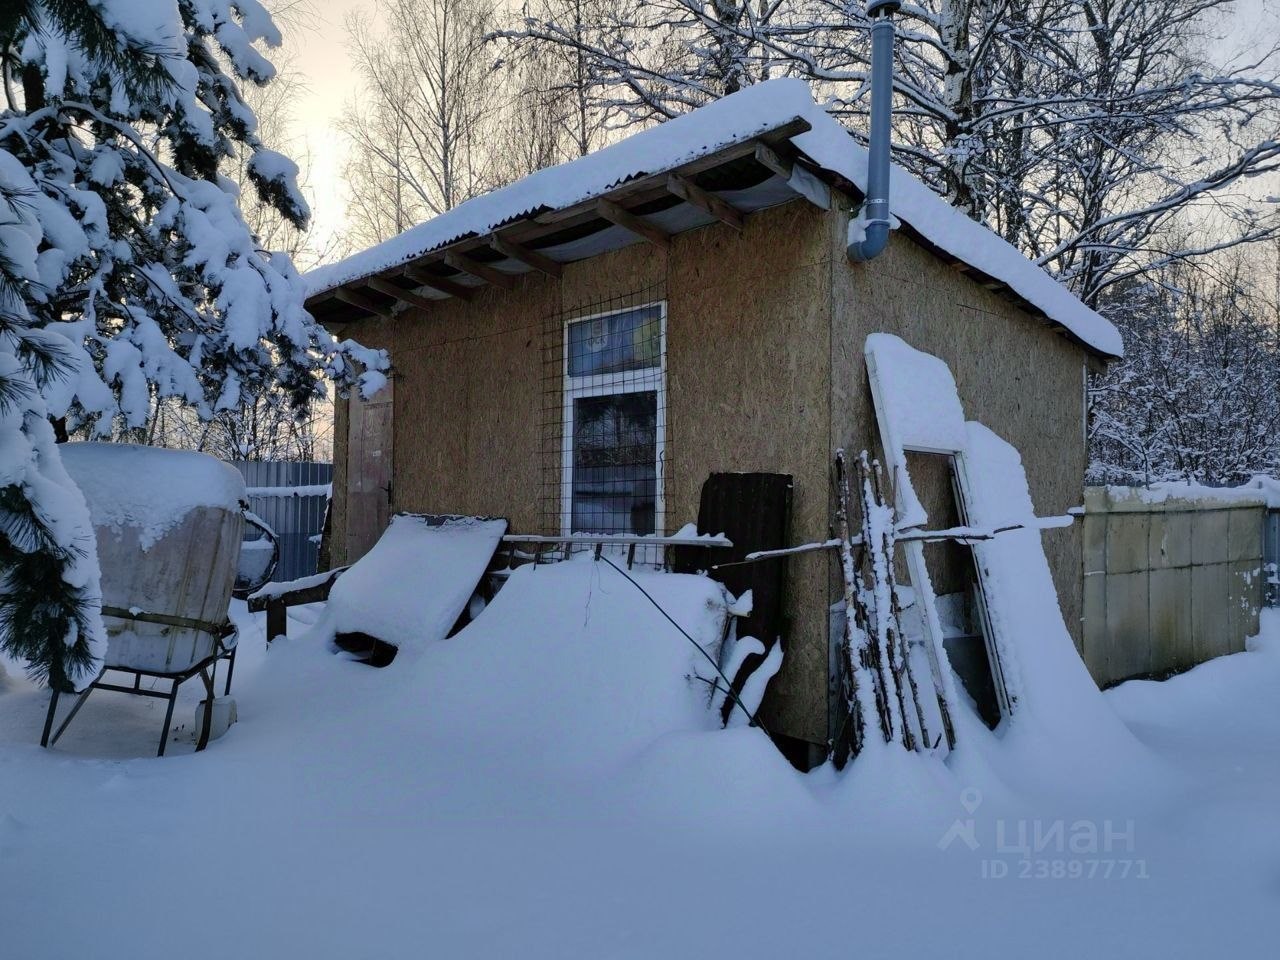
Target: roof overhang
721, 187
760, 147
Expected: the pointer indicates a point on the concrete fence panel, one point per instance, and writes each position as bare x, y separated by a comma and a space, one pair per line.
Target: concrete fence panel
1169, 581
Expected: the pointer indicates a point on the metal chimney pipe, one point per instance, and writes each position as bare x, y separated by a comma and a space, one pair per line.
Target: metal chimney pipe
873, 219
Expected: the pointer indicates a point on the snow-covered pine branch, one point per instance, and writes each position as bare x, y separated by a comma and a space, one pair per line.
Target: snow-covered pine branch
148, 269
50, 600
131, 278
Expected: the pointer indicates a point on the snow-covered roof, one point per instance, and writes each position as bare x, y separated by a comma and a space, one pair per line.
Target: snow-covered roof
732, 120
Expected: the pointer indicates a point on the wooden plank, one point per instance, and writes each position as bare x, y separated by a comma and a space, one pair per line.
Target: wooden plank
766, 157
361, 301
530, 258
277, 618
629, 221
481, 270
370, 443
401, 294
438, 283
691, 193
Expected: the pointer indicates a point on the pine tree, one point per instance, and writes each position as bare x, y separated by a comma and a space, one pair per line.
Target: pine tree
130, 274
50, 602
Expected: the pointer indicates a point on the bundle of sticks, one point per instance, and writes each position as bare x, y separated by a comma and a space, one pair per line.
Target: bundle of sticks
880, 686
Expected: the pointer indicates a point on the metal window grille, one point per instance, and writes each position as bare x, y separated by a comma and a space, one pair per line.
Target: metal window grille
606, 433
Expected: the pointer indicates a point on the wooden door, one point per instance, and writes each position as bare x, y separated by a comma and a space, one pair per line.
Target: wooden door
369, 449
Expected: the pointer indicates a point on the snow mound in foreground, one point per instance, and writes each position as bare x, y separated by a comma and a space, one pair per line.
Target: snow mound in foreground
569, 667
572, 664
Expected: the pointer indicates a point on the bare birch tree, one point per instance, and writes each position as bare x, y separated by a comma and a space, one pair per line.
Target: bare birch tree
554, 115
1081, 130
418, 135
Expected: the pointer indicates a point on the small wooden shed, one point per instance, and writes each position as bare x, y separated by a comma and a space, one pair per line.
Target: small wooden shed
581, 350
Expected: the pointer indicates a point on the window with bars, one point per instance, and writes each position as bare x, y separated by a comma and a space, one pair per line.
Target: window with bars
614, 421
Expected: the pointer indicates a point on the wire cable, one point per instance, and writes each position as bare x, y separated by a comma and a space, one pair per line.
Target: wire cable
755, 722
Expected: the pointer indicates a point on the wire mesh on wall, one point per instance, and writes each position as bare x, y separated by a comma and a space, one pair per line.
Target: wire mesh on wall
605, 431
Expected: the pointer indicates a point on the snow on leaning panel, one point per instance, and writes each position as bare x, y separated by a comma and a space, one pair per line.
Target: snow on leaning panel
918, 408
1062, 727
1061, 712
168, 526
415, 582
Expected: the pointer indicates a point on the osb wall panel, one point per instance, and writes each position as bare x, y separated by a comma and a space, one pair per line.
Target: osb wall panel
1013, 374
749, 390
748, 349
468, 412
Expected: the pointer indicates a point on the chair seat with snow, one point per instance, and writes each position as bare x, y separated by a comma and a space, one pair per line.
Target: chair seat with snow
168, 525
417, 584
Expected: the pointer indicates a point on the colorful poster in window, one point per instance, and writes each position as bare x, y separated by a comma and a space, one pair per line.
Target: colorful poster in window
630, 340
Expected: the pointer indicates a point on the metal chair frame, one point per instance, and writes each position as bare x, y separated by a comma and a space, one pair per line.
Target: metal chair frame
206, 669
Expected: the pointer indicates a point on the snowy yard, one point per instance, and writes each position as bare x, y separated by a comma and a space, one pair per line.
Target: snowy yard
645, 252
555, 790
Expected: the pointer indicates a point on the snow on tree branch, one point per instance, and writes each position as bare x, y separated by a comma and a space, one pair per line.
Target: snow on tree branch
128, 272
1074, 130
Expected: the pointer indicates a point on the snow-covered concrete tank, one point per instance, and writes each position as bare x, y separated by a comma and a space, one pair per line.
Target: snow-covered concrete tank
169, 525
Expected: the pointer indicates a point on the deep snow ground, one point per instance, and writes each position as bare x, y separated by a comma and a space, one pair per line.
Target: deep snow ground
511, 795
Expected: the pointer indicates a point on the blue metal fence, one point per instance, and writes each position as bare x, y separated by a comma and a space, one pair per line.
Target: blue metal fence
291, 498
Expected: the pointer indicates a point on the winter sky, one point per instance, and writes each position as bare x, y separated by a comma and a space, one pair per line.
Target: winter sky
319, 52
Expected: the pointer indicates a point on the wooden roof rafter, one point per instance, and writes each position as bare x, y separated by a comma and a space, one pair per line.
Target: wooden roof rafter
399, 293
708, 203
617, 214
356, 299
529, 257
481, 271
440, 284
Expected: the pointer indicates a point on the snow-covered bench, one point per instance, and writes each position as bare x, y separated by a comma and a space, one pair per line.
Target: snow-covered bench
415, 584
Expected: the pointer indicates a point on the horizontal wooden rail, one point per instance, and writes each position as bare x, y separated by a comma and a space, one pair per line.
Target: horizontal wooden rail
276, 598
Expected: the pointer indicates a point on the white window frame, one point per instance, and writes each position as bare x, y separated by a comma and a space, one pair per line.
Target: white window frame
611, 384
